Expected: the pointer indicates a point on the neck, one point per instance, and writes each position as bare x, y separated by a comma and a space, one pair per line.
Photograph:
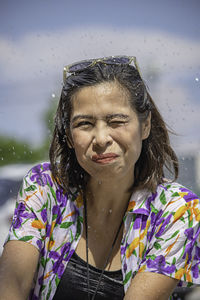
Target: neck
108, 198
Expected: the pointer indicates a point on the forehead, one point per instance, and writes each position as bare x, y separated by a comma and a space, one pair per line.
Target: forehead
104, 97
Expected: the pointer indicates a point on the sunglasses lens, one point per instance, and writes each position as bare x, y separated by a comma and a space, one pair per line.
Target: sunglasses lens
80, 66
117, 60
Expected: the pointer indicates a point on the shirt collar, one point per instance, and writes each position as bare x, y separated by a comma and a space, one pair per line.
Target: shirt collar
140, 202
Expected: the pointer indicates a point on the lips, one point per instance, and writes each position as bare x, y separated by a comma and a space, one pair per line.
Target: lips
104, 157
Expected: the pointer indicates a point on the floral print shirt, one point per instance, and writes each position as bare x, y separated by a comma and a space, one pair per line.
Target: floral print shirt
161, 231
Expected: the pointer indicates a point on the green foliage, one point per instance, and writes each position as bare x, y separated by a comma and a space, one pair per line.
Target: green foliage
13, 151
16, 151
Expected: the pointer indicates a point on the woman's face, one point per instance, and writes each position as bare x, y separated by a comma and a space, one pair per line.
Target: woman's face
105, 131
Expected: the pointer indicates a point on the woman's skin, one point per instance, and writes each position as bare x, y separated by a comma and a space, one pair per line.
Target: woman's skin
107, 137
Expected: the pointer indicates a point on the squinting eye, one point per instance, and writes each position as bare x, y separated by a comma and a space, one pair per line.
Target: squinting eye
84, 124
117, 123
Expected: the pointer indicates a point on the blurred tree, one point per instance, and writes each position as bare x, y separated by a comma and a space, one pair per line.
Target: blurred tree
16, 151
49, 124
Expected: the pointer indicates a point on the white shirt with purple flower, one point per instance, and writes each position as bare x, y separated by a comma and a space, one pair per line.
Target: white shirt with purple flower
161, 231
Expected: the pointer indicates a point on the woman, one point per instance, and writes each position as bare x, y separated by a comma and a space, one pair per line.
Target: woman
101, 221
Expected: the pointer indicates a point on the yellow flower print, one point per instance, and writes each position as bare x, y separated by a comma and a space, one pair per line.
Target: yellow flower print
179, 273
171, 246
131, 205
38, 224
132, 247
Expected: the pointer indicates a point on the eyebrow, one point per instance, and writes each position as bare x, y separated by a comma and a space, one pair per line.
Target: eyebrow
108, 117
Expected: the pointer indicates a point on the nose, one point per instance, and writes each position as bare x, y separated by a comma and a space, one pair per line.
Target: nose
101, 138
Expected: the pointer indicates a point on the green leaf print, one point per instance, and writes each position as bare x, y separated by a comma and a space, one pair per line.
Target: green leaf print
153, 209
168, 186
173, 235
157, 246
163, 198
15, 233
165, 214
127, 277
26, 238
66, 224
176, 194
43, 262
152, 257
78, 232
52, 191
43, 287
49, 291
20, 191
174, 261
31, 188
57, 280
134, 253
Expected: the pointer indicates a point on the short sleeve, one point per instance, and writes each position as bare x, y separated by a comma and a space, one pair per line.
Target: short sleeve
174, 249
30, 214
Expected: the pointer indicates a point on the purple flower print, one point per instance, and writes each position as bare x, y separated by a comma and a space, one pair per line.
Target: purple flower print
125, 267
160, 266
40, 176
197, 253
141, 211
140, 222
163, 226
156, 220
39, 243
41, 247
57, 212
61, 198
195, 270
149, 200
189, 248
123, 249
48, 230
65, 254
190, 195
20, 213
44, 215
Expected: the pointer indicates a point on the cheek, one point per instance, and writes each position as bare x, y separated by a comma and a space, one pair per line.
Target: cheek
80, 142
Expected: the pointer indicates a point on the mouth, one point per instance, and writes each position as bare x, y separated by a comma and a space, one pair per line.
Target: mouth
104, 158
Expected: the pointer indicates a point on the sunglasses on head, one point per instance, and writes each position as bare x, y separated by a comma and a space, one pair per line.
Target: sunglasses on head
110, 60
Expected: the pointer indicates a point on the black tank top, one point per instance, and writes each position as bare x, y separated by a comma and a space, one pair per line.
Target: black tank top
73, 284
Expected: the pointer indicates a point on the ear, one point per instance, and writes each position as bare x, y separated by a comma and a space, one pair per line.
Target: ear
69, 140
146, 127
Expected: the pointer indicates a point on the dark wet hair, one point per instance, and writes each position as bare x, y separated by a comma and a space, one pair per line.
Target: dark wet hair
156, 154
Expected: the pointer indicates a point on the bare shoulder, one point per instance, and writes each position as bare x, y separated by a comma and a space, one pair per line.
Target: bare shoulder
151, 286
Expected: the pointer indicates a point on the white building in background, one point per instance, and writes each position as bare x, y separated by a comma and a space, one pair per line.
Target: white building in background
189, 172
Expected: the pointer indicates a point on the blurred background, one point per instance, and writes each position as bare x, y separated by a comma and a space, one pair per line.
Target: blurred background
38, 38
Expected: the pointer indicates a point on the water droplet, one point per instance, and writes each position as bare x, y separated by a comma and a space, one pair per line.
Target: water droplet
2, 158
110, 211
53, 95
197, 79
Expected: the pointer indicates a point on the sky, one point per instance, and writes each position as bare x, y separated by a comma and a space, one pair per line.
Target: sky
38, 38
